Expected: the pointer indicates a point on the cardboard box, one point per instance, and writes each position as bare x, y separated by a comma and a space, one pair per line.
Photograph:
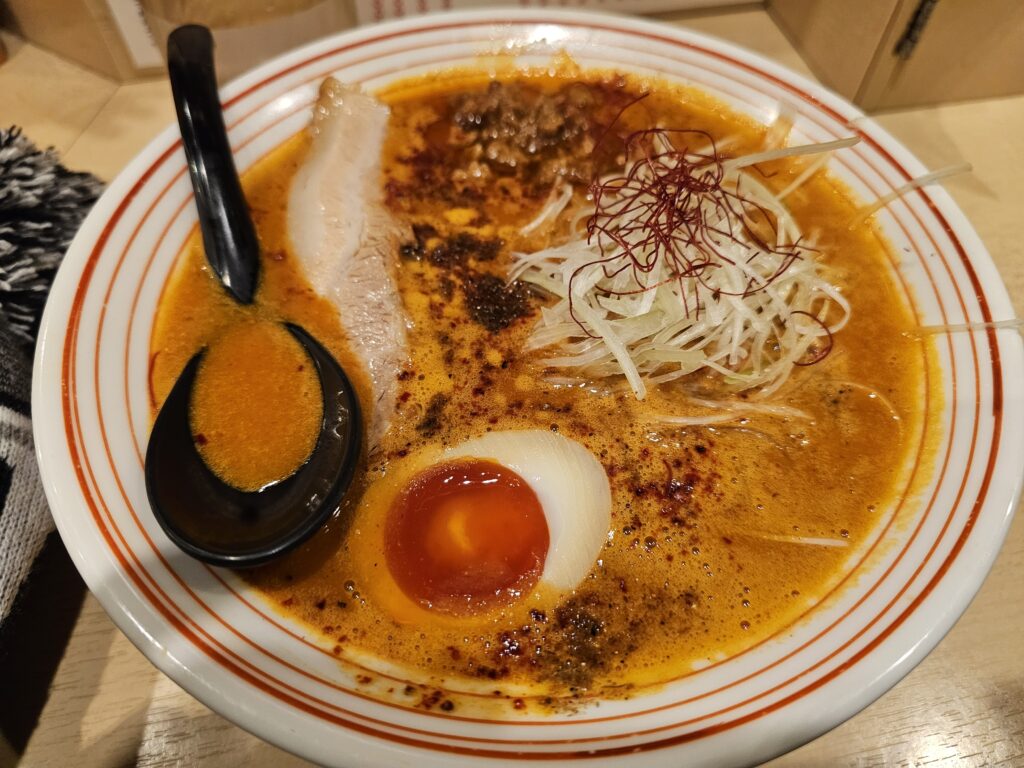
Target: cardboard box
248, 32
124, 39
109, 36
370, 11
887, 54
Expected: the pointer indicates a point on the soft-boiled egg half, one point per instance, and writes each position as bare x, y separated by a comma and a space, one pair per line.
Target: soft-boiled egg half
462, 531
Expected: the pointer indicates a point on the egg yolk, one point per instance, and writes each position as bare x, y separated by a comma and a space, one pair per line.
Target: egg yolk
462, 537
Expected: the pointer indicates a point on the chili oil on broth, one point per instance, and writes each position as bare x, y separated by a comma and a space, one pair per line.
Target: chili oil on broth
693, 570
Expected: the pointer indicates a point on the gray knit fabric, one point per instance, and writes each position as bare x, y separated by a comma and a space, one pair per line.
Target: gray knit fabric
24, 517
42, 204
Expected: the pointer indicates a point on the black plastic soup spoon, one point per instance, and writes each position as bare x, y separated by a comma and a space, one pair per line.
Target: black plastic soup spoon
202, 514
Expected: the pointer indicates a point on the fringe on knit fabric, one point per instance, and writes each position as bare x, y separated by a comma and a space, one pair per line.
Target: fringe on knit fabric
42, 205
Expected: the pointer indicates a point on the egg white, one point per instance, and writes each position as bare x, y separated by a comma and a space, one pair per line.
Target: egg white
571, 486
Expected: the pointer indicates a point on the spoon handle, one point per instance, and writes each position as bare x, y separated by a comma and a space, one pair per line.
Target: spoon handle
229, 236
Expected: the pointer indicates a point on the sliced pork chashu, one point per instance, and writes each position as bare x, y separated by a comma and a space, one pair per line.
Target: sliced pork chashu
346, 240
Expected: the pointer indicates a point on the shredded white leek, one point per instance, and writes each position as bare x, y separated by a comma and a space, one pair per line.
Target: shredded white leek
959, 327
807, 172
556, 203
754, 311
777, 154
813, 541
920, 181
871, 394
732, 410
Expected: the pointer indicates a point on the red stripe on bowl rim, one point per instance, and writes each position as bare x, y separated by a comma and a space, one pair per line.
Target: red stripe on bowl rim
997, 393
269, 619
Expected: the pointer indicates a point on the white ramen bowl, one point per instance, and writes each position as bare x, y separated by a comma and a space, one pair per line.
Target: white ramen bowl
272, 676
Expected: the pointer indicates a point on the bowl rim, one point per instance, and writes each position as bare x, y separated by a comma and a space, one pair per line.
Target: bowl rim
50, 349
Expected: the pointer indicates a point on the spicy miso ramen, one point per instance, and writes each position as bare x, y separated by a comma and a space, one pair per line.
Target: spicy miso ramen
638, 380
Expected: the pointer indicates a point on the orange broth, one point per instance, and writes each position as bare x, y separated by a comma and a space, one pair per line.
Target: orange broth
697, 566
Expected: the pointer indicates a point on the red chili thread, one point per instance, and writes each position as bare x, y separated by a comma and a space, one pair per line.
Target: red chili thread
821, 354
668, 210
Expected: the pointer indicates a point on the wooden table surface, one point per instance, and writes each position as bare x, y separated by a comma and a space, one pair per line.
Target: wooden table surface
963, 706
